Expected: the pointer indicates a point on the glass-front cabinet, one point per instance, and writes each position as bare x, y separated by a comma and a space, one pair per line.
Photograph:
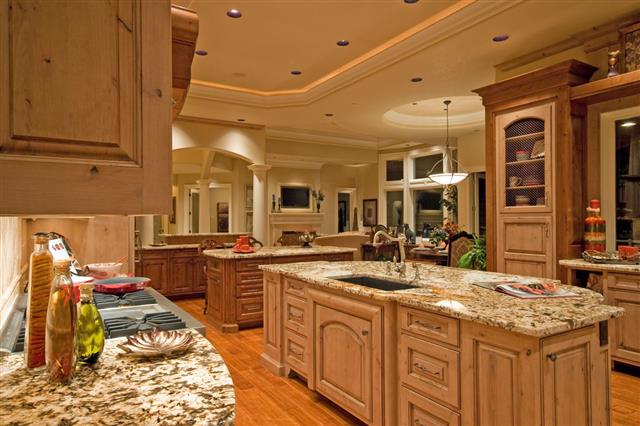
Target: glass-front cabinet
524, 160
627, 164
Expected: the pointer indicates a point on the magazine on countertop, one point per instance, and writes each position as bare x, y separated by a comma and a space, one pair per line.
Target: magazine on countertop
543, 290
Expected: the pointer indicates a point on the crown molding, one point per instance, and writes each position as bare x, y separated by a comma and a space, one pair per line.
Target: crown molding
454, 20
306, 136
292, 161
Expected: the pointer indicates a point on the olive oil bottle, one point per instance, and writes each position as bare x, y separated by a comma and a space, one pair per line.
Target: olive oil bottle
90, 327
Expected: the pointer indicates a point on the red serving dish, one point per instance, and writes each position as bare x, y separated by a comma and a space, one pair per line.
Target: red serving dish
120, 285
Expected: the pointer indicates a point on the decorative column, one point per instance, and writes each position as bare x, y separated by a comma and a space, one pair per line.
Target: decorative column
146, 229
204, 207
260, 209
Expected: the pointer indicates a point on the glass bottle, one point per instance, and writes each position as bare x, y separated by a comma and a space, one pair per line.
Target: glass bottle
90, 327
594, 228
61, 325
40, 272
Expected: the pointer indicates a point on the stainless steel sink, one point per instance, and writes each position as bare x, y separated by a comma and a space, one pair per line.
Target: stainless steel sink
377, 283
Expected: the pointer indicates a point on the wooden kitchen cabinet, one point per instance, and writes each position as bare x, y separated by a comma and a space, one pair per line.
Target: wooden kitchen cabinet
347, 339
156, 267
176, 272
535, 144
85, 123
184, 273
625, 331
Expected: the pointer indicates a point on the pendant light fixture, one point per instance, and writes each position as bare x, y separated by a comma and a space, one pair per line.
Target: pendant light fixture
450, 175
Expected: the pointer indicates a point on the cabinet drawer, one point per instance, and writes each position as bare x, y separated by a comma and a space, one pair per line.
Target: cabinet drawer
249, 309
214, 264
430, 368
250, 264
432, 326
338, 257
249, 290
624, 282
295, 350
294, 314
248, 278
184, 253
294, 287
416, 410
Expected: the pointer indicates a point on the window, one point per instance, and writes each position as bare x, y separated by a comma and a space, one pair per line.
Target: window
422, 165
627, 226
427, 208
395, 170
395, 211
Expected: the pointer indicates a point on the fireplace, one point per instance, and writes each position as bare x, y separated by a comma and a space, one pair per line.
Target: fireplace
300, 222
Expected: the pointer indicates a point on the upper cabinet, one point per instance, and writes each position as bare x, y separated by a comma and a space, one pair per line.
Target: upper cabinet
85, 123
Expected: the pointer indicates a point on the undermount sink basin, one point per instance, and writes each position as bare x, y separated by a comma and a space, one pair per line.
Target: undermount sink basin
377, 283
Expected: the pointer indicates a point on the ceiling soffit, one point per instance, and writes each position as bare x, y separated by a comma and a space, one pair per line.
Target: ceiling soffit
447, 23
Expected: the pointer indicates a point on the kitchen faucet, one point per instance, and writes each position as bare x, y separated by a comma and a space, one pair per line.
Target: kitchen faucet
378, 238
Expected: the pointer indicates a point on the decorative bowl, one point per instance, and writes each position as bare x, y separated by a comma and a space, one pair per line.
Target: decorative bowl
157, 343
101, 271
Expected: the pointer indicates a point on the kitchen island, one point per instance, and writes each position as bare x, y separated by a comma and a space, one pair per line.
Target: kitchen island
195, 388
442, 351
621, 287
234, 281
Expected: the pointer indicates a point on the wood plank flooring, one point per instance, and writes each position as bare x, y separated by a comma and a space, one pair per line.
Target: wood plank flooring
265, 399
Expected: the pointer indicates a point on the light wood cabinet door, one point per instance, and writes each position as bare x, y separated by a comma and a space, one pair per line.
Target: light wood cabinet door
348, 355
85, 123
525, 245
625, 331
567, 363
416, 410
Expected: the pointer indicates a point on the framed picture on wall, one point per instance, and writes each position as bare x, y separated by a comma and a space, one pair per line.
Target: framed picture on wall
370, 212
172, 216
248, 197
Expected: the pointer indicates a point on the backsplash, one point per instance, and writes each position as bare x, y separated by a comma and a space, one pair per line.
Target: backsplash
11, 262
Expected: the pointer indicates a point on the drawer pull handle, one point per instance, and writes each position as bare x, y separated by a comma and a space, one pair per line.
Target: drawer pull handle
254, 307
365, 332
293, 287
424, 369
296, 351
427, 325
552, 356
298, 318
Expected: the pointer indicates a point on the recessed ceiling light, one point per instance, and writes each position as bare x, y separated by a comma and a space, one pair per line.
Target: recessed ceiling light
296, 72
411, 1
343, 42
201, 52
500, 37
628, 124
329, 114
416, 79
241, 119
234, 13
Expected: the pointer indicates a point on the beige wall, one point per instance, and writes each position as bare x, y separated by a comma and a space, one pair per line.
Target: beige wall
471, 155
13, 249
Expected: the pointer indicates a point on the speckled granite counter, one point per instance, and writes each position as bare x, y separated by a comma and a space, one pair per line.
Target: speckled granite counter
171, 247
451, 291
193, 389
588, 266
279, 252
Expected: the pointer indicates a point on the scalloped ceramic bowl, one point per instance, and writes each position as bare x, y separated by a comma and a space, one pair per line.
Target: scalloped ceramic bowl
157, 343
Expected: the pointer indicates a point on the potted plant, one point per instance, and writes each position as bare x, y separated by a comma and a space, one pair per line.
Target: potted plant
476, 257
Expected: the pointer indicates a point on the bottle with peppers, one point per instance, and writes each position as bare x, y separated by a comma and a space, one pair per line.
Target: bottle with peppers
594, 228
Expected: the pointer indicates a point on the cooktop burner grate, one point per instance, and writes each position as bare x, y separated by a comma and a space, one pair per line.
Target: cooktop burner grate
127, 326
136, 298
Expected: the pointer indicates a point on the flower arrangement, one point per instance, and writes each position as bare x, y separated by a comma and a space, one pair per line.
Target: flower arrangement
451, 228
441, 234
319, 197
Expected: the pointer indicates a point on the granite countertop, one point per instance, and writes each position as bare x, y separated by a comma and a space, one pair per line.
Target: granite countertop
212, 234
583, 264
195, 388
279, 252
171, 247
450, 291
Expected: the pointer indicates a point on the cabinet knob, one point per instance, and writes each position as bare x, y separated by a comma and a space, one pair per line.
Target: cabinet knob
552, 356
365, 332
94, 170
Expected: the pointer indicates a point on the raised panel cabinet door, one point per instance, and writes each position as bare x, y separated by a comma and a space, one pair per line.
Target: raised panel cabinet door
87, 100
157, 271
272, 318
567, 363
214, 294
416, 410
625, 331
525, 245
344, 360
183, 275
201, 279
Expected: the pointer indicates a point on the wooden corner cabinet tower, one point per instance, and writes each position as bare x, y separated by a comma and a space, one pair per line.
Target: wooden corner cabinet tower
535, 144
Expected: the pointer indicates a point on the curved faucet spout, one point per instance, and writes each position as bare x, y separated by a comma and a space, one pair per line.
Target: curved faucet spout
380, 236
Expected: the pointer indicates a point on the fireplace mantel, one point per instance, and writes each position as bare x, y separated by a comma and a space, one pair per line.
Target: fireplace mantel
293, 221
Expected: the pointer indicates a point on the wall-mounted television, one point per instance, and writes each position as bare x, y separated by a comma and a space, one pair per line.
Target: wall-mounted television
295, 197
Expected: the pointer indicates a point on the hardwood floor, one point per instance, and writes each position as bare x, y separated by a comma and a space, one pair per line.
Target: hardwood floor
264, 399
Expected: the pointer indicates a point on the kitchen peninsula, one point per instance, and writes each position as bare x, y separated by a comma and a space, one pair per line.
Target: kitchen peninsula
442, 350
193, 388
234, 296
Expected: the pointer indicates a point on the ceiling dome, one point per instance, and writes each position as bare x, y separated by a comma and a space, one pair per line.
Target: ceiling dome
464, 112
